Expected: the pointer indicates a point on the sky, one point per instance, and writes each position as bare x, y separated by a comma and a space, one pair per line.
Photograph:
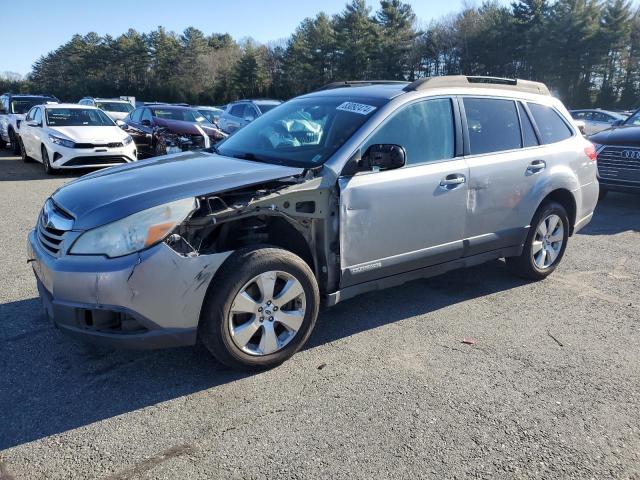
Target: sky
36, 27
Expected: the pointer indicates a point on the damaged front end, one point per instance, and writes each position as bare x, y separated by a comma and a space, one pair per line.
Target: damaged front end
168, 141
152, 298
297, 213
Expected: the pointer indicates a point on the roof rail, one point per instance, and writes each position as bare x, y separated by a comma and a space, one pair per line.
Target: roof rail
479, 82
358, 83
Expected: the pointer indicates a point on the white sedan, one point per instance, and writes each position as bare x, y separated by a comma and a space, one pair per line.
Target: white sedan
68, 136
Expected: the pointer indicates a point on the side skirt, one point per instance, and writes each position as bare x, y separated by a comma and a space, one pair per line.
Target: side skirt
426, 272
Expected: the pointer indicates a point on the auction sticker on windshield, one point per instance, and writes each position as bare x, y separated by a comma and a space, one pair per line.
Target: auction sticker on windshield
353, 107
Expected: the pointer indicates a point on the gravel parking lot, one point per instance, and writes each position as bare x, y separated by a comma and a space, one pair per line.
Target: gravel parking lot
385, 389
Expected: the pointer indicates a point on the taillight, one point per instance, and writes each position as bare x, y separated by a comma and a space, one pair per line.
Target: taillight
590, 151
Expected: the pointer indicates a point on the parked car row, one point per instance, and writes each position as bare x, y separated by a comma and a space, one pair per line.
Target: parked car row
86, 135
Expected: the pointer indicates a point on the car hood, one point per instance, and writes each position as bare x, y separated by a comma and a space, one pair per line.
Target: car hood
114, 193
625, 135
85, 134
185, 128
116, 115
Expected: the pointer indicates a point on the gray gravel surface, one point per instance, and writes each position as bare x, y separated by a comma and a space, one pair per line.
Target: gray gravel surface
385, 389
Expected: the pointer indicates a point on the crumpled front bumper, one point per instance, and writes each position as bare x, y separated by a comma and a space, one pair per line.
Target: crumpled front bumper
150, 299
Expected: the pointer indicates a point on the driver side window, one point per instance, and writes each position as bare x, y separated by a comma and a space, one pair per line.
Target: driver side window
424, 129
30, 115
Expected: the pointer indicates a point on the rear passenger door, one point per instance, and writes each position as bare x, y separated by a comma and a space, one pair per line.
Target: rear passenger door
505, 164
394, 221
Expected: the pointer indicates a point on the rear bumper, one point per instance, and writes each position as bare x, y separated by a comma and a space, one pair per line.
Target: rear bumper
151, 299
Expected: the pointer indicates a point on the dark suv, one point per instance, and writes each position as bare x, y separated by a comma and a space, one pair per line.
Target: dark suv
160, 129
618, 150
13, 108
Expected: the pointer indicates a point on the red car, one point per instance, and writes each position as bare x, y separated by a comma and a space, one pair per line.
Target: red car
162, 129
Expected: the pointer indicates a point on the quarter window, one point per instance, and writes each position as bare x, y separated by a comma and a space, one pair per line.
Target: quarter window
146, 114
551, 126
136, 114
37, 115
529, 138
424, 129
493, 125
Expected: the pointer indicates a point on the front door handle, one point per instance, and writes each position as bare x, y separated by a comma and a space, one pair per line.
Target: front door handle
536, 166
453, 180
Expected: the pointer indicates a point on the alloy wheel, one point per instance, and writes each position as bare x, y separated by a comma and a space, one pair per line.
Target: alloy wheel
267, 313
548, 241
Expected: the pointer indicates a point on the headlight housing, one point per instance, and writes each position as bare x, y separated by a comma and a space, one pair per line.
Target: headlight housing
135, 232
128, 139
62, 141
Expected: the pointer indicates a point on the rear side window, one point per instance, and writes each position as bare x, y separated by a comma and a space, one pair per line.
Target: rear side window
529, 138
424, 129
551, 126
493, 125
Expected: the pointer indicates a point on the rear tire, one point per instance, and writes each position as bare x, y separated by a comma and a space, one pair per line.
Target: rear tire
13, 138
542, 250
247, 328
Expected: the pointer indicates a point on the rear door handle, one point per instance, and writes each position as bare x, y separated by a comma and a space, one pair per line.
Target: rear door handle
536, 166
453, 180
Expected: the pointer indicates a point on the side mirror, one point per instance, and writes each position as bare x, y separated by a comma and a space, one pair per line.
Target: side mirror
249, 118
617, 123
121, 124
146, 123
33, 123
581, 125
383, 157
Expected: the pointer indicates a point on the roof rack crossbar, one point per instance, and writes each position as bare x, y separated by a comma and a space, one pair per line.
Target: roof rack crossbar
359, 83
478, 82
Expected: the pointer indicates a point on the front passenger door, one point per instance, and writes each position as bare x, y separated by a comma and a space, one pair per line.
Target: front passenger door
399, 220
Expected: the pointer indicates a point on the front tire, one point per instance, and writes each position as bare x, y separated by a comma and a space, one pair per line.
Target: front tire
545, 244
602, 193
260, 309
48, 169
23, 153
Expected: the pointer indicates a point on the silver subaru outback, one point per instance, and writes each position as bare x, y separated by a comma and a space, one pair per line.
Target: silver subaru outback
353, 188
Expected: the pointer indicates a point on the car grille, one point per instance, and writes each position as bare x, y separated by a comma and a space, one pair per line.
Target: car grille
96, 160
99, 145
50, 237
620, 164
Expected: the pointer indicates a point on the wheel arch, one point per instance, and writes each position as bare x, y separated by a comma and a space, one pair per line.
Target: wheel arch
565, 198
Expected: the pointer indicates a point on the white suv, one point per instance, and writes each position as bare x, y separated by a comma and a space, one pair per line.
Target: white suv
114, 107
67, 136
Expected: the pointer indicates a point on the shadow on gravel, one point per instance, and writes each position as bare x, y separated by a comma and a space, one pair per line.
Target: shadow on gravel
616, 213
51, 383
15, 170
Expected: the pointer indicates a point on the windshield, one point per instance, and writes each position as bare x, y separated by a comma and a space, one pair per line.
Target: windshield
23, 105
265, 107
303, 132
124, 107
633, 119
183, 114
211, 115
77, 117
